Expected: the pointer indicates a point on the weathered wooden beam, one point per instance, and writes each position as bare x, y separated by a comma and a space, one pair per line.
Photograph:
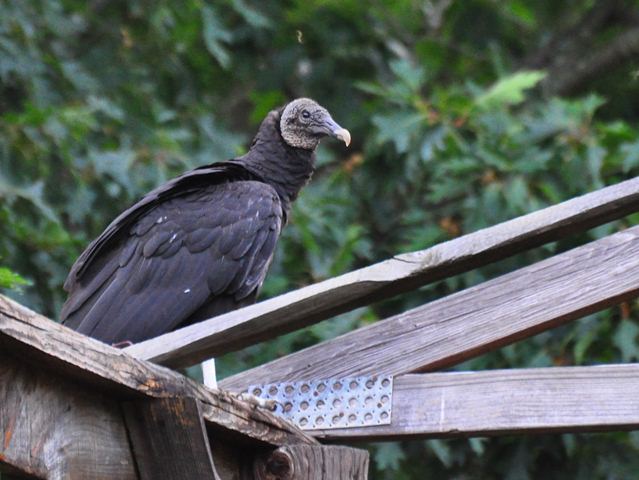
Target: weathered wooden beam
402, 273
535, 400
69, 354
169, 439
473, 321
50, 428
312, 462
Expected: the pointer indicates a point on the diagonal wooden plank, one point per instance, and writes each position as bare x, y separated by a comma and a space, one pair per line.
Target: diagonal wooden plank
402, 273
473, 321
536, 400
49, 345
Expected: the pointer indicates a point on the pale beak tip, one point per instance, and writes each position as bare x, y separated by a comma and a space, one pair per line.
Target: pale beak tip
344, 135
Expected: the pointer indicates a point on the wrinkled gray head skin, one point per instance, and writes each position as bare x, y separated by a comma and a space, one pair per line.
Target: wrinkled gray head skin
304, 122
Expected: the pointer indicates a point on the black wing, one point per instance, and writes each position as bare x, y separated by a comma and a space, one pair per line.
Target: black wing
188, 182
204, 251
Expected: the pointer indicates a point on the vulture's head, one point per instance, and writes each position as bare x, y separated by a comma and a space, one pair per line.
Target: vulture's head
304, 122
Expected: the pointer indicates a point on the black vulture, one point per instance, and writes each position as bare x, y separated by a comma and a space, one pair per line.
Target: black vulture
201, 244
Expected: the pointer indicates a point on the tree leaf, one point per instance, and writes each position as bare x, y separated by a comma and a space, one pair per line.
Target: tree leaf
411, 75
252, 16
388, 456
509, 90
625, 339
398, 128
442, 451
630, 153
10, 279
215, 36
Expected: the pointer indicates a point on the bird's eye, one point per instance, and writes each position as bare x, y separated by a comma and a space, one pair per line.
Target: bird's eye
306, 114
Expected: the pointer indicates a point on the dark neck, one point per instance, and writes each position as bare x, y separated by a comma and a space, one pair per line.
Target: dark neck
285, 168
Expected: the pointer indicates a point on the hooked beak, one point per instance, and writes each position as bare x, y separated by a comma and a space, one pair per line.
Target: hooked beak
332, 128
343, 135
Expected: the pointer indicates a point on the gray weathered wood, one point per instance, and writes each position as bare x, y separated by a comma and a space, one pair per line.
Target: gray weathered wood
473, 321
52, 429
543, 400
402, 273
69, 354
312, 462
168, 439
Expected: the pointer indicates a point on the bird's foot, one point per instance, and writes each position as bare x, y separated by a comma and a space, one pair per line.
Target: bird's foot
256, 402
122, 344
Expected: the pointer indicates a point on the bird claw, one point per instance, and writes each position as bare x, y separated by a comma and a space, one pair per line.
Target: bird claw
122, 344
256, 402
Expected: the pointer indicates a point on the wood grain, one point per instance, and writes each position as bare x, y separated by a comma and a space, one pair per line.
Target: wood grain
536, 400
402, 273
168, 439
312, 462
473, 321
52, 429
69, 354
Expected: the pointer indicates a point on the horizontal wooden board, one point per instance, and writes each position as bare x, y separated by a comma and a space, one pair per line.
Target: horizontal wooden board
473, 321
66, 353
560, 399
402, 273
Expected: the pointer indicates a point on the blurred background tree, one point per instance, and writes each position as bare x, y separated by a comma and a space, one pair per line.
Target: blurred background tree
463, 114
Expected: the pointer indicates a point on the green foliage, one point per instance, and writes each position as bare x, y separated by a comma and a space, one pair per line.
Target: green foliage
509, 90
9, 279
625, 339
102, 101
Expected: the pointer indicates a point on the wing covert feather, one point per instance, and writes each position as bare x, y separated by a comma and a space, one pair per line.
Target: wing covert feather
186, 254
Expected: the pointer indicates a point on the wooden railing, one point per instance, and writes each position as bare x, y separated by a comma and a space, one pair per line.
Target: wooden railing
453, 329
474, 321
123, 401
74, 408
399, 274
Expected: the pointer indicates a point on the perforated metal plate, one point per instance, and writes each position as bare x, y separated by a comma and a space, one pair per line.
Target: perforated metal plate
332, 402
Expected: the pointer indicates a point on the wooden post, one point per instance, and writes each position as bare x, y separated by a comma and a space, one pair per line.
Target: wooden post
74, 408
209, 375
312, 462
168, 439
71, 355
52, 428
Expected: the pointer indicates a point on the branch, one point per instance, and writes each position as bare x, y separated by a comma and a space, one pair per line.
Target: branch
573, 56
569, 76
569, 39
